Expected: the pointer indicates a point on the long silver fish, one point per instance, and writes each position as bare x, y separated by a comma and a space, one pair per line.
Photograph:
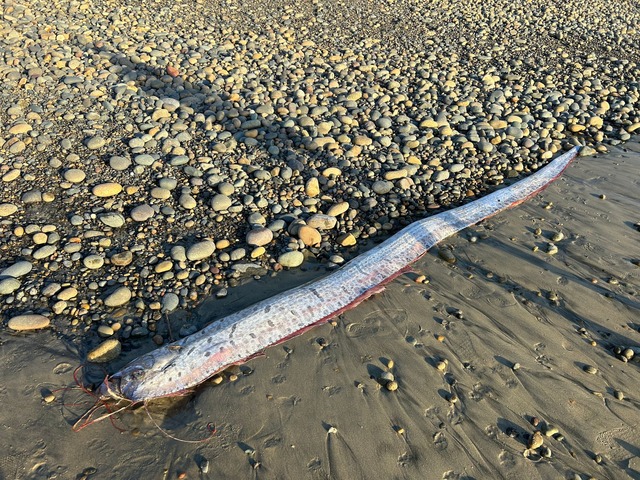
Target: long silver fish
179, 366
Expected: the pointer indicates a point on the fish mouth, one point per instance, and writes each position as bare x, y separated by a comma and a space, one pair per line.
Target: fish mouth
110, 388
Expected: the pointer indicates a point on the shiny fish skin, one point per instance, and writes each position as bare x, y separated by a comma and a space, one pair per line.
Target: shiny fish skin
177, 367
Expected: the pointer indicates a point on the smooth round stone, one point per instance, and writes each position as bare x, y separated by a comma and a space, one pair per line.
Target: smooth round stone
105, 330
93, 262
44, 252
201, 250
338, 209
142, 213
347, 240
382, 186
312, 187
96, 142
179, 254
144, 159
112, 219
309, 235
322, 221
108, 189
259, 237
68, 293
187, 201
74, 175
225, 188
440, 176
7, 209
168, 183
119, 163
291, 259
160, 193
9, 285
28, 322
456, 167
220, 202
17, 270
118, 297
122, 259
105, 352
170, 302
163, 266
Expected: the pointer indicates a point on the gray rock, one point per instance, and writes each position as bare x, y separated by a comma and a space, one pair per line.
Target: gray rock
440, 176
93, 262
187, 201
291, 259
321, 221
382, 186
259, 237
44, 252
7, 209
119, 163
9, 285
144, 160
201, 250
142, 213
220, 202
170, 302
118, 297
179, 254
94, 143
17, 270
225, 188
112, 219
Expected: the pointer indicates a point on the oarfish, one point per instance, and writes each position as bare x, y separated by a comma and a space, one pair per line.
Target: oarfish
177, 367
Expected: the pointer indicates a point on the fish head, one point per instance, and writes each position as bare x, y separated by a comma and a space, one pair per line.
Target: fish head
135, 380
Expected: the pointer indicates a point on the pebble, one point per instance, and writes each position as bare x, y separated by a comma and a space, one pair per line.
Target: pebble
108, 189
93, 262
590, 369
17, 270
309, 235
142, 213
74, 175
122, 259
67, 293
312, 187
535, 441
259, 237
7, 209
119, 297
220, 202
94, 143
201, 250
28, 322
44, 252
105, 352
112, 219
119, 163
9, 285
170, 302
382, 187
338, 209
447, 255
321, 221
291, 259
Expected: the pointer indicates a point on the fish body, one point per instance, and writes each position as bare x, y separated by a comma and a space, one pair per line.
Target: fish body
181, 365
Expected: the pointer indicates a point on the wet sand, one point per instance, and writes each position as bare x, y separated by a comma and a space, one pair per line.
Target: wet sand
312, 407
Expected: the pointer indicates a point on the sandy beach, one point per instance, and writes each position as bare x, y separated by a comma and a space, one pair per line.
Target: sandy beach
312, 407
